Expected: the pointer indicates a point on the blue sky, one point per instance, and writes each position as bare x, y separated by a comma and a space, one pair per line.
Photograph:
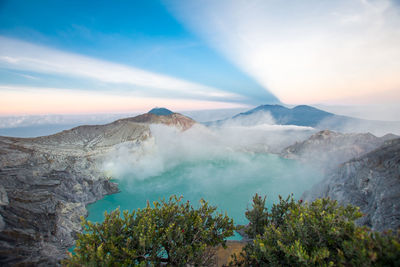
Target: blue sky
139, 34
128, 56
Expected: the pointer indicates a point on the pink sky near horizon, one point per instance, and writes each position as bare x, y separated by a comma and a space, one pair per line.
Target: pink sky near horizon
37, 101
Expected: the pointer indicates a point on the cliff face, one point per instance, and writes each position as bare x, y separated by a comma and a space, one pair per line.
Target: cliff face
46, 182
371, 182
360, 169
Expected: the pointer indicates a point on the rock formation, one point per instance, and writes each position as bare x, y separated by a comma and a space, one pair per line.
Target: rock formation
46, 183
360, 169
371, 182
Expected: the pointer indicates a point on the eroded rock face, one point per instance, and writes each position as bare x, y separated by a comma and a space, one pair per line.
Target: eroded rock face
46, 183
371, 182
45, 200
360, 169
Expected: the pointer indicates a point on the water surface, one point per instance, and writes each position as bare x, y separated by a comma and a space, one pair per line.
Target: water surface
227, 182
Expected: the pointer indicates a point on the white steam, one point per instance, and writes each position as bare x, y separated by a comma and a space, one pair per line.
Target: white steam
256, 118
168, 147
378, 128
225, 165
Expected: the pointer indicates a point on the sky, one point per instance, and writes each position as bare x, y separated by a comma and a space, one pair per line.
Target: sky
83, 57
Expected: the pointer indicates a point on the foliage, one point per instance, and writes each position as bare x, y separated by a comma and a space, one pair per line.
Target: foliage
171, 233
320, 233
258, 217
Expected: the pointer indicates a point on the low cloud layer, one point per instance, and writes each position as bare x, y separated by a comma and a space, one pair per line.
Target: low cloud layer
378, 128
224, 165
169, 147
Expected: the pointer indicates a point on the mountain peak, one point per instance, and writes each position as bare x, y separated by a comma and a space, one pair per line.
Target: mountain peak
163, 116
307, 108
301, 115
303, 107
161, 111
270, 106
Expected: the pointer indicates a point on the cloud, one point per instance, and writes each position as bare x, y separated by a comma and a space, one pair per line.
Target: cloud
33, 100
214, 114
205, 163
305, 51
384, 112
255, 118
169, 147
22, 121
28, 76
18, 55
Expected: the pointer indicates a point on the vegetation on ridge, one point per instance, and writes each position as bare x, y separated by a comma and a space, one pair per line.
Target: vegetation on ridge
292, 233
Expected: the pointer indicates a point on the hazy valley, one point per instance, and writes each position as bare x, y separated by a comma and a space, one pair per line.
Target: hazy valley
47, 182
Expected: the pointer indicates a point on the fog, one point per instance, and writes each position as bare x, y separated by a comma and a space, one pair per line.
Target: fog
378, 128
380, 112
213, 115
233, 141
47, 124
42, 125
225, 165
233, 157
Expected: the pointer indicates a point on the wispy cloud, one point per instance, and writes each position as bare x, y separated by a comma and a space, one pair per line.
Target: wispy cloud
32, 100
18, 55
305, 51
28, 76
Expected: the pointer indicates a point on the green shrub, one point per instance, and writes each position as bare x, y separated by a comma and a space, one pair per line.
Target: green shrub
320, 233
257, 216
171, 233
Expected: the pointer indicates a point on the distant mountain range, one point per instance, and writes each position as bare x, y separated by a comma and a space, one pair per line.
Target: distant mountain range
301, 115
304, 115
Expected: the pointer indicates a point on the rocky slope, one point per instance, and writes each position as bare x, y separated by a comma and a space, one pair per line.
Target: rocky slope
46, 182
175, 119
371, 182
328, 148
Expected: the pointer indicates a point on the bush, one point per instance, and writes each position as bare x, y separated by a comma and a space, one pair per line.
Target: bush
257, 216
321, 233
171, 233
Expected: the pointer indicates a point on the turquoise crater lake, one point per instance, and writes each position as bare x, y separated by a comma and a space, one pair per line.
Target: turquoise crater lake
228, 183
